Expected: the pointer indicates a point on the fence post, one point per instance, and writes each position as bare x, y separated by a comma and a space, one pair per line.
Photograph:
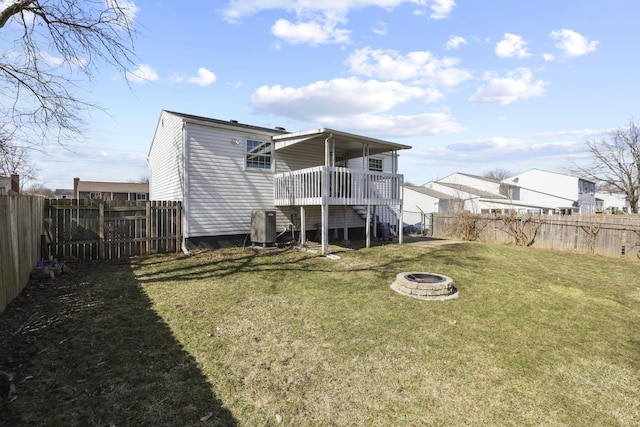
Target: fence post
178, 217
148, 227
101, 233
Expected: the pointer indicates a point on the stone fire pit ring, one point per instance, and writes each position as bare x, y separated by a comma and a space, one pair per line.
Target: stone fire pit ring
425, 286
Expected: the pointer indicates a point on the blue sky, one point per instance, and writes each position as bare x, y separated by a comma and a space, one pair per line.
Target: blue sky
470, 85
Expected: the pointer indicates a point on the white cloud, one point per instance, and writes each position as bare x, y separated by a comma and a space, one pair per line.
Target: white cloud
512, 46
55, 61
418, 65
455, 42
565, 133
548, 57
144, 73
204, 78
441, 8
238, 9
380, 28
334, 98
572, 43
317, 21
313, 33
509, 148
355, 105
397, 126
516, 85
124, 7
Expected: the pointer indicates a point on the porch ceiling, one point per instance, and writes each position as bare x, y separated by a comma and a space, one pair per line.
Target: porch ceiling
352, 144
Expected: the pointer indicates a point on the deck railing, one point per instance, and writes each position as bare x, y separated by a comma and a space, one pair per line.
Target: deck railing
344, 187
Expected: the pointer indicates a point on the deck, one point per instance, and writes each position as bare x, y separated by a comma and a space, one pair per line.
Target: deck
344, 186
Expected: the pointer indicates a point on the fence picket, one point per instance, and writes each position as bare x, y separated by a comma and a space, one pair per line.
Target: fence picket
96, 229
608, 235
20, 230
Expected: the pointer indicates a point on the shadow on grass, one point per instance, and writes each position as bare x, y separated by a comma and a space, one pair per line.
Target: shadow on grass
88, 349
220, 264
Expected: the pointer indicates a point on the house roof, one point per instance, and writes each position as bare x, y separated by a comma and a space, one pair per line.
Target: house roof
472, 190
482, 178
114, 187
550, 173
429, 192
351, 143
233, 123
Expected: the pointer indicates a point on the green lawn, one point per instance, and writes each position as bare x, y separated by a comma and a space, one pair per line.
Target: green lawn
284, 337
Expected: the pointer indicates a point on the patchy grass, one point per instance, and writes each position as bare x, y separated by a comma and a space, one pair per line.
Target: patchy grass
284, 337
89, 350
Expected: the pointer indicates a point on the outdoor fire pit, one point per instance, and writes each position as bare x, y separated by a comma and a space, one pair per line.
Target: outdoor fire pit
427, 286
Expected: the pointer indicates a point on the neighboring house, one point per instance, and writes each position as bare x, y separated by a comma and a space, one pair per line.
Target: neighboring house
464, 197
482, 195
315, 181
580, 192
110, 190
60, 193
612, 203
10, 183
487, 185
5, 183
420, 202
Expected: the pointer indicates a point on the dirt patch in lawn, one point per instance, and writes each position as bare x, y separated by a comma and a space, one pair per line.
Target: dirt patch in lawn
88, 349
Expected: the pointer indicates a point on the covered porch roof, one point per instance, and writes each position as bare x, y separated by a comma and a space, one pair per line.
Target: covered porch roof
352, 144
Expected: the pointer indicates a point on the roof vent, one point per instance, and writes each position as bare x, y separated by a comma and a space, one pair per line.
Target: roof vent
233, 121
280, 128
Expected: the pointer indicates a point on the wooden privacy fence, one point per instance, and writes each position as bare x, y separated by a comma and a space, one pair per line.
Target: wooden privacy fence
608, 235
97, 229
20, 230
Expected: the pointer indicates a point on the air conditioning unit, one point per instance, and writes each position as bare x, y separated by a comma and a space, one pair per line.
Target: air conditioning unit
263, 227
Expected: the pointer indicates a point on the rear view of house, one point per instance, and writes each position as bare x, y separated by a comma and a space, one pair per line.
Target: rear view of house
322, 182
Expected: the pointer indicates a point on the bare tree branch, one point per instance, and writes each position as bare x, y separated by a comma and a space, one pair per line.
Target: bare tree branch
615, 165
499, 174
54, 41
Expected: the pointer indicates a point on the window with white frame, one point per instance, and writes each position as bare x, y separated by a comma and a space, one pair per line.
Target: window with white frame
341, 161
259, 154
375, 164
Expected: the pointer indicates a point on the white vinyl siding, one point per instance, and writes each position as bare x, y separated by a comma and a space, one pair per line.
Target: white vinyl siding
221, 193
166, 160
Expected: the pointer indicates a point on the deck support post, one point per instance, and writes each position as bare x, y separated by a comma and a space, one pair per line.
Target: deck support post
345, 233
401, 206
325, 195
303, 227
368, 228
400, 225
375, 221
